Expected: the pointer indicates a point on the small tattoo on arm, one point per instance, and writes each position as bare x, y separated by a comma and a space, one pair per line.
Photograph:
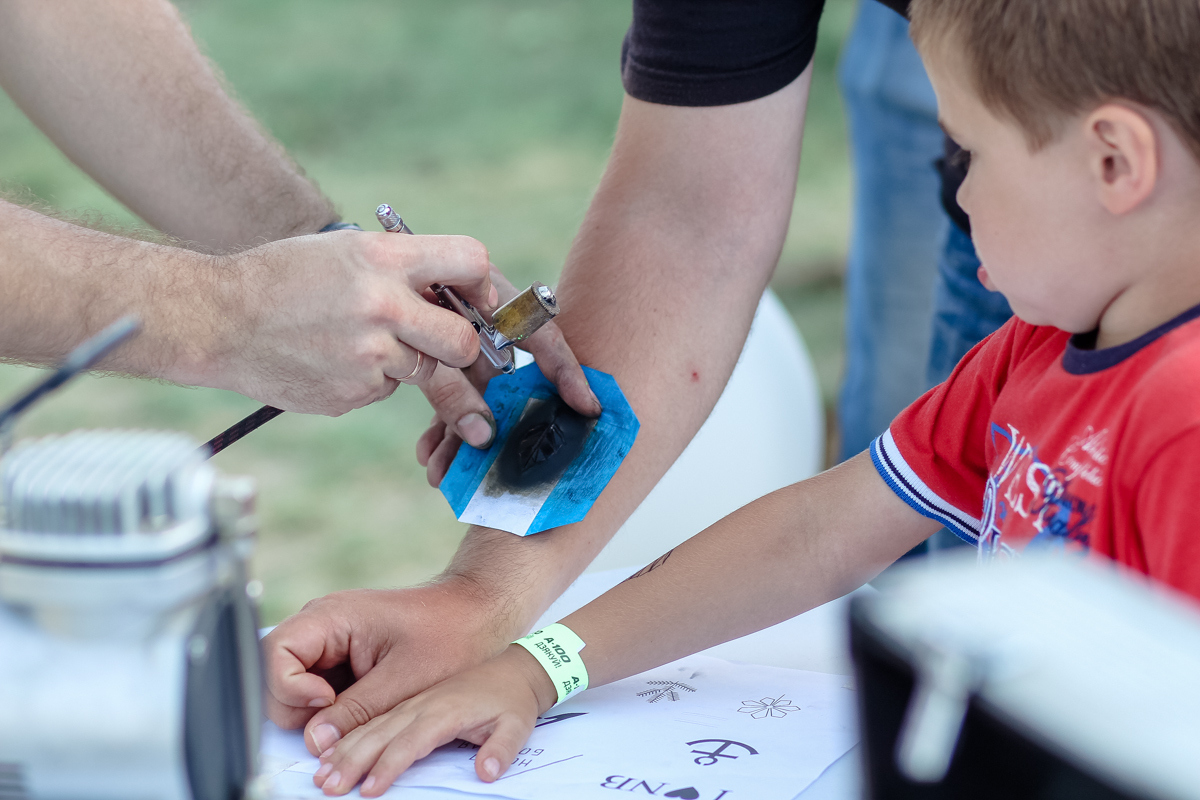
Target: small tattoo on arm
653, 566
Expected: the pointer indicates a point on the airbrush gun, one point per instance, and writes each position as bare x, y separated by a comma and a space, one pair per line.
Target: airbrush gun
512, 322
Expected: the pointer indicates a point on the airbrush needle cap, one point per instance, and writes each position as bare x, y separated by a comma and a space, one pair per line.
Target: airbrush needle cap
390, 220
521, 317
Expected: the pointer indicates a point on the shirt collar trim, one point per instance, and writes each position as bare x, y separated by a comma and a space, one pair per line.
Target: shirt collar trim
1081, 357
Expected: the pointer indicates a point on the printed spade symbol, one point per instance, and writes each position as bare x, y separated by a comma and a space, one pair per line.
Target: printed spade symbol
688, 794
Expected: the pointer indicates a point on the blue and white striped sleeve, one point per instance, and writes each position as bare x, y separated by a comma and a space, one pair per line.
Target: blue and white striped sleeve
909, 487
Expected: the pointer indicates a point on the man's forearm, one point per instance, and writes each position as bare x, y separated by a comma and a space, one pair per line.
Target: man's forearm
316, 324
659, 290
121, 88
60, 283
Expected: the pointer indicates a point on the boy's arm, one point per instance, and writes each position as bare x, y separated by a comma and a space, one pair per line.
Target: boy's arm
781, 555
788, 552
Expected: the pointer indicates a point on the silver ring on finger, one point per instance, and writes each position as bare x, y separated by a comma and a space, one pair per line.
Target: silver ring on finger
416, 369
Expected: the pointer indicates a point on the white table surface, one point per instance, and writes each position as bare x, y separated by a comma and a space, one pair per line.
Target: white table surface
815, 641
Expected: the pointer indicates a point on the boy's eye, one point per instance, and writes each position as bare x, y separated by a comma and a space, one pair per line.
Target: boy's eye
961, 159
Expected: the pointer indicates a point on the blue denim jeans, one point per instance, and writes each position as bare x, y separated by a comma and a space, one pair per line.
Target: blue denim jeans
898, 224
964, 311
914, 303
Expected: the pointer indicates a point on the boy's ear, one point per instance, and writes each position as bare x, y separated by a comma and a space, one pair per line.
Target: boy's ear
1123, 153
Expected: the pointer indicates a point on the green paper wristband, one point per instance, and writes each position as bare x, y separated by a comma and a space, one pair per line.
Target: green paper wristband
556, 648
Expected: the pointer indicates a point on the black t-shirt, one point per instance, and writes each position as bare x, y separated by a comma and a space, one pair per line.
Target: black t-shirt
720, 52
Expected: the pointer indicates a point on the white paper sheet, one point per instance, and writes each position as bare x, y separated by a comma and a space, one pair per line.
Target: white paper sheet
700, 728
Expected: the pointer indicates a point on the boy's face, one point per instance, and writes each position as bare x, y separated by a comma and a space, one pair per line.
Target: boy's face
1034, 215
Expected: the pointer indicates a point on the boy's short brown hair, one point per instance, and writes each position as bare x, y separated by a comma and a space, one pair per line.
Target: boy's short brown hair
1042, 61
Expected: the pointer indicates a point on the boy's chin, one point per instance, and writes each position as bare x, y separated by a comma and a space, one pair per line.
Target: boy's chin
1034, 316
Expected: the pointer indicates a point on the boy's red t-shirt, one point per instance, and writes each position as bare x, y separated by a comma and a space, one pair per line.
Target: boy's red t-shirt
1036, 441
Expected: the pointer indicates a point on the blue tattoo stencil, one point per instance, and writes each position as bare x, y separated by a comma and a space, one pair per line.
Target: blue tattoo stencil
548, 464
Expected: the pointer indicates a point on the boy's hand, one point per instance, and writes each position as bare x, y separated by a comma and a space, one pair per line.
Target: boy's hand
493, 705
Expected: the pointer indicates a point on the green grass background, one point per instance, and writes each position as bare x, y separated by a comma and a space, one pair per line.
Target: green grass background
491, 118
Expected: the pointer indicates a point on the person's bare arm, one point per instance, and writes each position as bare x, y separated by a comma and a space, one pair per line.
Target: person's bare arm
308, 326
659, 290
781, 555
249, 321
122, 89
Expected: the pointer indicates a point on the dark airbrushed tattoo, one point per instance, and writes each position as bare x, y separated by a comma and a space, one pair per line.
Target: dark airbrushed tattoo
658, 562
544, 443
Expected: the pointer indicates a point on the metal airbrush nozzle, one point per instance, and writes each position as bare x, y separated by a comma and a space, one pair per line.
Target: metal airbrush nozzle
390, 220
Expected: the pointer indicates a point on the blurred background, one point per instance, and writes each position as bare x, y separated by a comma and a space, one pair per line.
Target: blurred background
492, 119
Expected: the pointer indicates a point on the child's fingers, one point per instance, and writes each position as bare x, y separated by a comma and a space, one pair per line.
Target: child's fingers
488, 705
501, 748
400, 754
356, 752
385, 749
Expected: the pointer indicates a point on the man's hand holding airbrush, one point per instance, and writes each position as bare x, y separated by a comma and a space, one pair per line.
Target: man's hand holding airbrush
327, 323
316, 324
457, 395
462, 412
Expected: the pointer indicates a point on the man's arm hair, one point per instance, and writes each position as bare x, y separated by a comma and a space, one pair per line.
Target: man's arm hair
122, 89
318, 324
60, 283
